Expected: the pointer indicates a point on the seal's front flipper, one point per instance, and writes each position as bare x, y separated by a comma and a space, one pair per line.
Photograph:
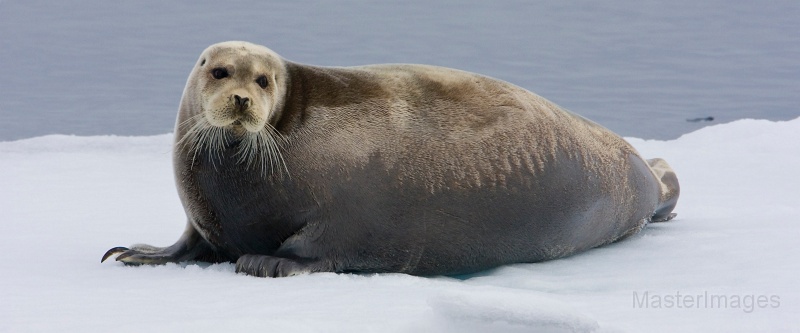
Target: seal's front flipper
269, 266
189, 247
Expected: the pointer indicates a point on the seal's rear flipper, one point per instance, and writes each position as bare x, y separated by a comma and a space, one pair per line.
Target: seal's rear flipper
663, 218
670, 190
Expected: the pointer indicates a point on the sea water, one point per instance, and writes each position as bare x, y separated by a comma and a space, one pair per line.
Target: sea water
641, 68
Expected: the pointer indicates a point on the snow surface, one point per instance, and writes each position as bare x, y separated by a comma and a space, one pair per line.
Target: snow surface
66, 200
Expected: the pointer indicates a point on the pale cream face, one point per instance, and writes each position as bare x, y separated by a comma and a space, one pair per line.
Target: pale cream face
239, 85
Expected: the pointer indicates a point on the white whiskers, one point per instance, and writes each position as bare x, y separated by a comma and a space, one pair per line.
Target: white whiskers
260, 150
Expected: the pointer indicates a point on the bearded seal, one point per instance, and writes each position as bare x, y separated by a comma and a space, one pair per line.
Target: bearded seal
286, 168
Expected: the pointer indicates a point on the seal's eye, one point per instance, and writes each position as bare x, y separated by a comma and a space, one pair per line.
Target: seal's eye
219, 73
262, 81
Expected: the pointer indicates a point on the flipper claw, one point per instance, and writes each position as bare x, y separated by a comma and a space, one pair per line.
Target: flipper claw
113, 251
666, 218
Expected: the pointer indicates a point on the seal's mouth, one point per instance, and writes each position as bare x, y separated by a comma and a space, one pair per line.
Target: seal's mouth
242, 127
246, 123
236, 129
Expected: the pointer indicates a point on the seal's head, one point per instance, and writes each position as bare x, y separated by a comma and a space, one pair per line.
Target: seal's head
235, 92
241, 85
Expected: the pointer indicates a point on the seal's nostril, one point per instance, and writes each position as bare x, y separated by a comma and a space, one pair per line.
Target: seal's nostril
240, 101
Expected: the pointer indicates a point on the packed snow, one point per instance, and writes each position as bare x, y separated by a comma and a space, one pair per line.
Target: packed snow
728, 262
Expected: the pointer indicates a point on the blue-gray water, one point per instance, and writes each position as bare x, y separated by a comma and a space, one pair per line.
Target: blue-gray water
638, 67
